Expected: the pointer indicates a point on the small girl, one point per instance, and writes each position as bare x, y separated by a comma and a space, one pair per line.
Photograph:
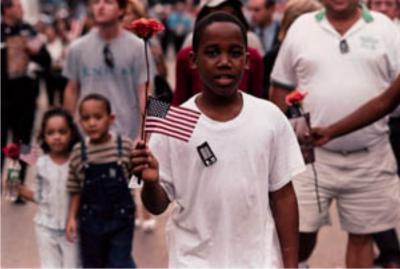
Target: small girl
57, 136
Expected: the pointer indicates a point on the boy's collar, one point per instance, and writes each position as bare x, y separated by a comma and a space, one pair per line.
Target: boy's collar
113, 137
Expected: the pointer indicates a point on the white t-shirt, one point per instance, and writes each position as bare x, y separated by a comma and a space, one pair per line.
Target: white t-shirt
222, 216
51, 193
337, 83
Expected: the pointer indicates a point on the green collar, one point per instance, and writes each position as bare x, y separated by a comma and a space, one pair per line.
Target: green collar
366, 14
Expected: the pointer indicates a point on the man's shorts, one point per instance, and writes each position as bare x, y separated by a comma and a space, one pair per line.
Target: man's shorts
364, 184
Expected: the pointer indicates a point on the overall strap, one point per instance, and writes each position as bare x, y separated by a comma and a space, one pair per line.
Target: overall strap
84, 156
119, 148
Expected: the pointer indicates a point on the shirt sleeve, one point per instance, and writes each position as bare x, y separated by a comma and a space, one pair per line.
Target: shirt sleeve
160, 147
283, 73
394, 56
286, 160
140, 75
71, 66
73, 181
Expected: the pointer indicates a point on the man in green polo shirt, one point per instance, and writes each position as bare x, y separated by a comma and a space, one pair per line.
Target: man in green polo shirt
343, 56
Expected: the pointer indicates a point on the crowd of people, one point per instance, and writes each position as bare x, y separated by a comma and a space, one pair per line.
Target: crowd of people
255, 203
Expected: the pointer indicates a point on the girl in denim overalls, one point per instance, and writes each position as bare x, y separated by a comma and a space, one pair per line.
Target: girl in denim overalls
104, 201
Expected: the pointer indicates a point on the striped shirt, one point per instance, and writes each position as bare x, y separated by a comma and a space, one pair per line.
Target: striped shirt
98, 154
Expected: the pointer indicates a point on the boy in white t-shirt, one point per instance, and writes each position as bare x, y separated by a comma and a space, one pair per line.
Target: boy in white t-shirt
239, 209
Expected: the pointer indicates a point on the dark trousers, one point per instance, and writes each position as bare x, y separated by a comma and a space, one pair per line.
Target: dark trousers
18, 106
388, 245
106, 243
388, 241
394, 125
55, 85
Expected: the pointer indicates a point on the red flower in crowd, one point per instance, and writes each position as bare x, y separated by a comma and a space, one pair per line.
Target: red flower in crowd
145, 28
295, 97
12, 151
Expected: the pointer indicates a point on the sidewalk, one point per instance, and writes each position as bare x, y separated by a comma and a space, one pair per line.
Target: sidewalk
18, 242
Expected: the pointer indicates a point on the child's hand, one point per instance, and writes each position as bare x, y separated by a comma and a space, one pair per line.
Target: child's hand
145, 165
71, 231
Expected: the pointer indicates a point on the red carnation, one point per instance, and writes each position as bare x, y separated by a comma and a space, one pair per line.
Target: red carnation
145, 28
12, 151
295, 97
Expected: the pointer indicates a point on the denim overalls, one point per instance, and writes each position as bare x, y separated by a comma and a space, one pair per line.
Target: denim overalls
106, 216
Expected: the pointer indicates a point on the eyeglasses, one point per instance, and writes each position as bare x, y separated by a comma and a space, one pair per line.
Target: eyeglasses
344, 46
108, 56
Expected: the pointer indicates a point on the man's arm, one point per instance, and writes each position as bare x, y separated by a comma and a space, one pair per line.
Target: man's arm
371, 111
277, 95
71, 96
284, 209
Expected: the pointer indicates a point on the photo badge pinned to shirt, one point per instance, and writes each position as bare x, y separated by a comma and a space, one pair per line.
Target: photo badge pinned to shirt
206, 154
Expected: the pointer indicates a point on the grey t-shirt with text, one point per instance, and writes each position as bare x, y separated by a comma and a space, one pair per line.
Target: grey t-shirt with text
86, 65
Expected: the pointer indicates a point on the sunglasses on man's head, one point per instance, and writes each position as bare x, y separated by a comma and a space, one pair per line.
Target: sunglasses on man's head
108, 56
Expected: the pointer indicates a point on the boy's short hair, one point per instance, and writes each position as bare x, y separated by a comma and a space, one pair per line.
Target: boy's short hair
216, 17
96, 97
215, 6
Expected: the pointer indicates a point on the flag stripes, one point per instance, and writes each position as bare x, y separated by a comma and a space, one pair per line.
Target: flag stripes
177, 122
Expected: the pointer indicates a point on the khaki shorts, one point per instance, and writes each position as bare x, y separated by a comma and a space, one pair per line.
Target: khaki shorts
364, 184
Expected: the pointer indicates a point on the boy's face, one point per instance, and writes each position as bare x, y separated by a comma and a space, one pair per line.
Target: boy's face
221, 58
95, 120
106, 12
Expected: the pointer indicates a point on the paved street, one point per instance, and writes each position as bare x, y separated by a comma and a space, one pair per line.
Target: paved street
18, 242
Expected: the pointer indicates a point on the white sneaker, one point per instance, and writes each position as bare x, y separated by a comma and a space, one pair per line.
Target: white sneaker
149, 225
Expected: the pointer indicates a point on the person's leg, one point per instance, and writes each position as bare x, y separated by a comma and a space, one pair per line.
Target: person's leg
306, 245
389, 248
5, 118
69, 251
49, 251
359, 253
93, 244
394, 125
311, 216
50, 87
120, 252
369, 201
26, 116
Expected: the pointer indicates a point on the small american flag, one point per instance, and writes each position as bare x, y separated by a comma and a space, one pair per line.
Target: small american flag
29, 154
177, 122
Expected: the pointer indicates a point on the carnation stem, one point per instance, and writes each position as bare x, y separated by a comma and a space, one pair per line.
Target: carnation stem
143, 135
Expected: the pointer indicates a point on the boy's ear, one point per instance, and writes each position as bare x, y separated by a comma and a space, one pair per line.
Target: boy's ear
193, 59
247, 64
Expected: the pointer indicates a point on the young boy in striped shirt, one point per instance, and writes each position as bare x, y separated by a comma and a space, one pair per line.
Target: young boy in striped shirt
101, 202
